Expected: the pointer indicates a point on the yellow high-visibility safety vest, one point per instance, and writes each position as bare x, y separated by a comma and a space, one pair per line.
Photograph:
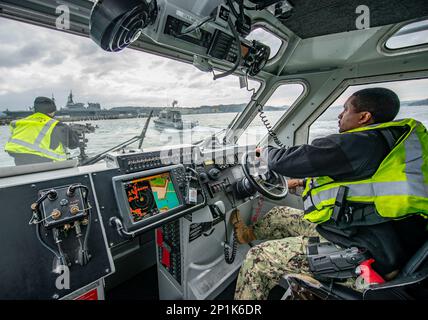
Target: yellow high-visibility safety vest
398, 188
32, 135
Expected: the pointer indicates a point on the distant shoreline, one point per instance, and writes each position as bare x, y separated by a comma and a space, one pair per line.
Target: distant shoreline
128, 112
7, 120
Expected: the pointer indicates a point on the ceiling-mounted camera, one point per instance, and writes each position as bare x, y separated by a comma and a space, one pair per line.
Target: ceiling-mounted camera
114, 24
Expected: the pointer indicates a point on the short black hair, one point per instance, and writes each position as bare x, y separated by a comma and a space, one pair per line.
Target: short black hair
382, 103
44, 105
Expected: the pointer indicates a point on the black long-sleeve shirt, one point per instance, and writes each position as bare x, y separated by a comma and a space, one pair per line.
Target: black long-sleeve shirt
348, 156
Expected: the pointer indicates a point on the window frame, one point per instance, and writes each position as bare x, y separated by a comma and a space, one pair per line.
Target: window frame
266, 98
383, 49
261, 24
303, 131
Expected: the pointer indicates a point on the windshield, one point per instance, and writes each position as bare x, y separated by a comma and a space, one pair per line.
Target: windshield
107, 96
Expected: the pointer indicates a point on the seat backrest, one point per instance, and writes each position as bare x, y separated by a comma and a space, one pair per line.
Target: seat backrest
419, 259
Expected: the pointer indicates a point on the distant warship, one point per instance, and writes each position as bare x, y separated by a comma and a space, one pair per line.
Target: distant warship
74, 111
78, 106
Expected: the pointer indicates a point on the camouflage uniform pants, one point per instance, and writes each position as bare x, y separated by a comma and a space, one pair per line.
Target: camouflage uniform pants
284, 253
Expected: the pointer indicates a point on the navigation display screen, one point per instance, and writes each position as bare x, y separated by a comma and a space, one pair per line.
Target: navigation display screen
149, 196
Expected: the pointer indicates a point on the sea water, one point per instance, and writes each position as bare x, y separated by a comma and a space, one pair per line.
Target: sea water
112, 132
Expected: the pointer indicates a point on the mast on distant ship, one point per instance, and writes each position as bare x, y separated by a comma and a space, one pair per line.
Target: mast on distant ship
70, 98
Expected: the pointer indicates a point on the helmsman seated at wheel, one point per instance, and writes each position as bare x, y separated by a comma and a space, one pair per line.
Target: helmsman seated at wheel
378, 165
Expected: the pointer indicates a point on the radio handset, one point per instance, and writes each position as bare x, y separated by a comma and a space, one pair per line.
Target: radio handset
229, 249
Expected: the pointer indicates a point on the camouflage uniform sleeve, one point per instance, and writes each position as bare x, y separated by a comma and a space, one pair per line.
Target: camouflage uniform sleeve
283, 222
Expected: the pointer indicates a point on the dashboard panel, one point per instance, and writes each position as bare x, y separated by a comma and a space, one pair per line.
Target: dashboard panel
86, 211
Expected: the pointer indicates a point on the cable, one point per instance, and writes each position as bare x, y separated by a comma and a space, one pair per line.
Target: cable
253, 90
84, 247
263, 116
233, 200
204, 21
73, 187
62, 258
239, 57
229, 252
83, 252
58, 255
45, 244
37, 221
268, 126
85, 240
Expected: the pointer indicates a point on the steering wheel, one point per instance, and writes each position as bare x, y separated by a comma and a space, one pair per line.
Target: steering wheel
270, 184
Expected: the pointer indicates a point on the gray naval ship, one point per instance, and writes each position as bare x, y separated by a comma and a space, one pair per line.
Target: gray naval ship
171, 118
77, 111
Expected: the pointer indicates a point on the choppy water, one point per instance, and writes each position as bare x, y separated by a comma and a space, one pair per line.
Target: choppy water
112, 132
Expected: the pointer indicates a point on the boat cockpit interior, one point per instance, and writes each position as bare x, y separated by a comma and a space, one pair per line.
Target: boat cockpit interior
136, 222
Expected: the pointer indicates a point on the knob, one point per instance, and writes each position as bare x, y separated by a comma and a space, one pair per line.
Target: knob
214, 173
74, 210
56, 214
204, 177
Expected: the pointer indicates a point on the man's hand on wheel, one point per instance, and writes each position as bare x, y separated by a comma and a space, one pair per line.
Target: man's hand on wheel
293, 184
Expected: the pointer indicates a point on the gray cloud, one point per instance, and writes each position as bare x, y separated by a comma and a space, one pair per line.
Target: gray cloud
14, 56
40, 61
55, 59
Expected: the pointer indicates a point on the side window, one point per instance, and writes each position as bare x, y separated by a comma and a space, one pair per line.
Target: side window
413, 34
413, 104
267, 38
274, 109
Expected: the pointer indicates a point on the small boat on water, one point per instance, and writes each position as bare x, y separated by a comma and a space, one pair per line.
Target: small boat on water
173, 119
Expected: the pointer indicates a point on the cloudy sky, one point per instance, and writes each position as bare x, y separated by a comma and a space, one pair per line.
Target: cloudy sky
36, 61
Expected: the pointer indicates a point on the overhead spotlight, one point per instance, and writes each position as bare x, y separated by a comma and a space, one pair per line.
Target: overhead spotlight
115, 24
256, 58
